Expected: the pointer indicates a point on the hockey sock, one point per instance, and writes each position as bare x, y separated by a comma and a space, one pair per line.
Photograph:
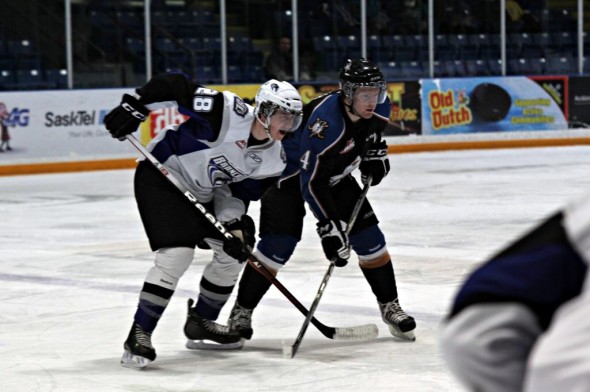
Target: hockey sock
382, 281
252, 288
211, 299
153, 300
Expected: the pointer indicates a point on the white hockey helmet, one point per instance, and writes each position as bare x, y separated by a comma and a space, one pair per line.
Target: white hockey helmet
274, 95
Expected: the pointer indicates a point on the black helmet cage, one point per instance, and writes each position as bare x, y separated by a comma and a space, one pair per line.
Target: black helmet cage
361, 73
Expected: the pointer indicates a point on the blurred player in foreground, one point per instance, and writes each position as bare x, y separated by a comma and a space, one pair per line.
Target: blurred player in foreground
521, 321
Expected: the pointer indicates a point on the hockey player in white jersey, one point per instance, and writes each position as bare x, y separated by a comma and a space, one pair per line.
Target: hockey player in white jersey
226, 153
521, 322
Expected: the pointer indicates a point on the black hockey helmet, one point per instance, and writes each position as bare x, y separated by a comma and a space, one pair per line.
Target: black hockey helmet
361, 73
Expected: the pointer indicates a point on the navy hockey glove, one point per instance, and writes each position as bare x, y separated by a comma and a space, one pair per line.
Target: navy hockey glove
334, 241
125, 118
375, 163
243, 231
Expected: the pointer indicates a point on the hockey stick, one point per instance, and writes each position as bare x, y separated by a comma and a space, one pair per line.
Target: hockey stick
327, 275
355, 333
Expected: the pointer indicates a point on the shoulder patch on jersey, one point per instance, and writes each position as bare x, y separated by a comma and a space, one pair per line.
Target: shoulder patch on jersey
240, 107
317, 128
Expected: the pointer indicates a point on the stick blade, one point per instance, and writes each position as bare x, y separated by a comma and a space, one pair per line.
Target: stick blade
357, 333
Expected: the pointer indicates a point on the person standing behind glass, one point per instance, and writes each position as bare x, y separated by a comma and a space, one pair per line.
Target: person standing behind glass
279, 63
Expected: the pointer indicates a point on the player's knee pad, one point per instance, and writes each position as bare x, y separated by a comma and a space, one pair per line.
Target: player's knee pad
174, 261
275, 250
223, 270
170, 264
369, 244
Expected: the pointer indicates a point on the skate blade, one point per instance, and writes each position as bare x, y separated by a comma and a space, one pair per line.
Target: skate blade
402, 335
133, 361
211, 345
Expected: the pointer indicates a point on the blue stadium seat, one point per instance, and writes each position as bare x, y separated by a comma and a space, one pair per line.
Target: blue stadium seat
347, 42
412, 69
135, 46
7, 79
207, 75
416, 40
529, 66
404, 53
31, 79
391, 70
495, 66
478, 40
393, 42
58, 77
564, 65
476, 67
234, 74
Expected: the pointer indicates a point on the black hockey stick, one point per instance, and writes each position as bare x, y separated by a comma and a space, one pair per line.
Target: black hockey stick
328, 274
355, 333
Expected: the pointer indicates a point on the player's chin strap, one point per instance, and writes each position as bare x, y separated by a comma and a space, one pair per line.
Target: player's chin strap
265, 124
355, 333
318, 296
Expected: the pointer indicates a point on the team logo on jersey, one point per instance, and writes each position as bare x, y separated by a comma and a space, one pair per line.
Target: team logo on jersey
240, 107
349, 146
242, 144
222, 172
255, 157
317, 128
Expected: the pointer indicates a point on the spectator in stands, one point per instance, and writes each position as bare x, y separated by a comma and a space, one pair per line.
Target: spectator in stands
4, 135
412, 18
520, 20
379, 21
279, 63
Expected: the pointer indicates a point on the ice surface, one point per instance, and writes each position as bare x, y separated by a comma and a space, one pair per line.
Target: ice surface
73, 256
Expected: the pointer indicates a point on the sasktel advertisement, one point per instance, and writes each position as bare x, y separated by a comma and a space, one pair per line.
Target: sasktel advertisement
494, 104
59, 126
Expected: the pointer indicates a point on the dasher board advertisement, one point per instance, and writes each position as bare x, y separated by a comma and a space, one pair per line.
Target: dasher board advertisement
494, 104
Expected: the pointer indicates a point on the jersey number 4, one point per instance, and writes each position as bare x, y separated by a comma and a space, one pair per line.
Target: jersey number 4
305, 160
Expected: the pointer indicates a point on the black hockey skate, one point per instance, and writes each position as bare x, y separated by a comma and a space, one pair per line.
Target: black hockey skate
138, 348
240, 319
400, 324
207, 334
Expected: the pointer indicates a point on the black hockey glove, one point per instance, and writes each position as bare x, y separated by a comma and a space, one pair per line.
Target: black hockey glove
125, 118
243, 231
375, 163
334, 241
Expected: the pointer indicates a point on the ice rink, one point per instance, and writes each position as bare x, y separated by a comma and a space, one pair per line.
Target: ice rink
74, 255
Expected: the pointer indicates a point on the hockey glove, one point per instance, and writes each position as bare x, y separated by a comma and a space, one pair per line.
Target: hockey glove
375, 163
334, 241
125, 118
243, 231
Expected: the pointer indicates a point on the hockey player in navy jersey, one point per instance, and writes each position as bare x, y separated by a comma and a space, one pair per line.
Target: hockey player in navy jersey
341, 132
521, 321
226, 153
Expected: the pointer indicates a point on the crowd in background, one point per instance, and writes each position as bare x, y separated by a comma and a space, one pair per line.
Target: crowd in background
109, 46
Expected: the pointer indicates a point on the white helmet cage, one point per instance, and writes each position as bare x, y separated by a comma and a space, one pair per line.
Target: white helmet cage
274, 95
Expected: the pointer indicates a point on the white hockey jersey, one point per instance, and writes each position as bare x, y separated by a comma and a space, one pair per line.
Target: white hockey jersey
212, 152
